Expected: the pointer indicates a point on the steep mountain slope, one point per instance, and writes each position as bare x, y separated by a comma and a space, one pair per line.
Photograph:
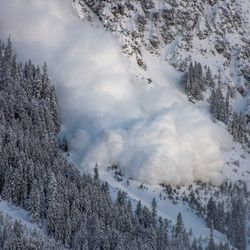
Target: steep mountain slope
18, 232
213, 33
193, 30
153, 34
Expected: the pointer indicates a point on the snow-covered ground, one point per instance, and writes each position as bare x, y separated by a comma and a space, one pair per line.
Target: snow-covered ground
19, 214
237, 164
155, 102
166, 207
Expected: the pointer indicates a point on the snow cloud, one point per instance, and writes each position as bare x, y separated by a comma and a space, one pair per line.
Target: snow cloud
110, 116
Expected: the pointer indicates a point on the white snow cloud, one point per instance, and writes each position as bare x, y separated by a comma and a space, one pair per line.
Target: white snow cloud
109, 115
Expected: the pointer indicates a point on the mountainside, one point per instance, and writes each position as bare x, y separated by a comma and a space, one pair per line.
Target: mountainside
207, 40
63, 208
143, 143
215, 34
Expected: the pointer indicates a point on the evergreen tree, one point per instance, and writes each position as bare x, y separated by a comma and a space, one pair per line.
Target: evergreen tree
228, 108
217, 105
35, 203
52, 211
211, 244
193, 81
64, 144
138, 211
211, 212
238, 226
96, 175
179, 229
154, 211
237, 127
209, 81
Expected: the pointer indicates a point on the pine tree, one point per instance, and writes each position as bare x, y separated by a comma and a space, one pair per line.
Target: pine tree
138, 211
236, 127
193, 81
179, 230
121, 198
154, 211
35, 203
179, 241
217, 105
211, 244
162, 235
96, 175
228, 108
211, 212
52, 211
64, 144
238, 226
209, 81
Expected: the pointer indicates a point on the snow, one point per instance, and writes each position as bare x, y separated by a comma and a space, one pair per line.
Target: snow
19, 214
165, 79
165, 207
168, 209
237, 164
161, 73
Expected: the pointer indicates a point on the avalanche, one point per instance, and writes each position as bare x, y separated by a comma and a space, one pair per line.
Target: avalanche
110, 115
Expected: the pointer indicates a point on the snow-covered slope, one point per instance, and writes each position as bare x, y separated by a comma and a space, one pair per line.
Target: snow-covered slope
18, 231
151, 130
18, 214
216, 33
213, 33
235, 169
